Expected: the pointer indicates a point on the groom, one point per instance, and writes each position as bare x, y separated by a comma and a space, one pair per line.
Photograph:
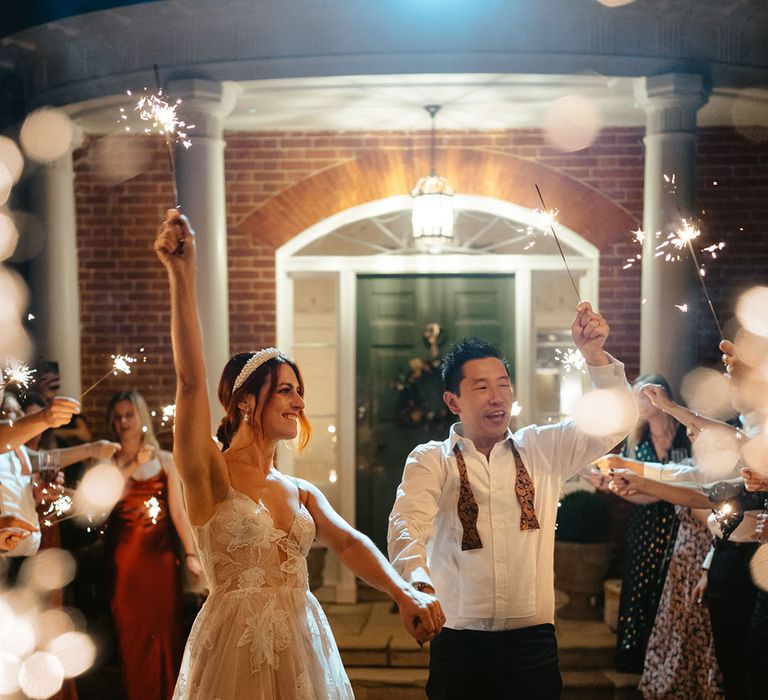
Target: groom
474, 522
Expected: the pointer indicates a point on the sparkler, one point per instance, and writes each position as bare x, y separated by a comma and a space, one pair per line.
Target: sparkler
120, 364
155, 109
571, 360
559, 247
18, 373
153, 509
59, 506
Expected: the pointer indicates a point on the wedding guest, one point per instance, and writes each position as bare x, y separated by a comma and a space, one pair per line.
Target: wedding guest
474, 522
143, 572
651, 530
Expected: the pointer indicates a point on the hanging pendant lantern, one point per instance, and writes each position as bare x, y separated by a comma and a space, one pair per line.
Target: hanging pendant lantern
432, 206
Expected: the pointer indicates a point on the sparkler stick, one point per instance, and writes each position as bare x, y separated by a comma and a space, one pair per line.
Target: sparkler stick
704, 289
559, 247
120, 363
168, 145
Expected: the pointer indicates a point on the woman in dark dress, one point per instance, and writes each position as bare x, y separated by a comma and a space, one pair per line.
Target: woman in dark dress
651, 531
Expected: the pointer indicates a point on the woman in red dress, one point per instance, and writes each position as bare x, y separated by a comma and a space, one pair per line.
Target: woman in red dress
143, 572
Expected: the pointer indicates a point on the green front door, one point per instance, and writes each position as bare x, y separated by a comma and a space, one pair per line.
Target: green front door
399, 390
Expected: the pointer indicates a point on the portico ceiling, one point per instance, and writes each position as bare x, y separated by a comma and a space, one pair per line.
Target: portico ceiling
349, 64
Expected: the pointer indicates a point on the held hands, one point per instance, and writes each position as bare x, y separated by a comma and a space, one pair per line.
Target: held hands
659, 397
626, 483
607, 463
590, 331
174, 231
422, 614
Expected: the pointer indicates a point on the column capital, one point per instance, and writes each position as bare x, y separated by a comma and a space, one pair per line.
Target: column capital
204, 103
671, 101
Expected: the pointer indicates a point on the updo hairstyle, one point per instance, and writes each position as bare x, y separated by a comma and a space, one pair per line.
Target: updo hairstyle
265, 374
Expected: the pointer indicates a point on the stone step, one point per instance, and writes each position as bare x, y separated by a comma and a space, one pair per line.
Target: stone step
408, 684
370, 635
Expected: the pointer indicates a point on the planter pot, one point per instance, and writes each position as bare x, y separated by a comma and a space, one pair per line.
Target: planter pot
580, 570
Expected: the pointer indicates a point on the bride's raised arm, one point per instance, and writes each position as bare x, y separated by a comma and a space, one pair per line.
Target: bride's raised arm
198, 460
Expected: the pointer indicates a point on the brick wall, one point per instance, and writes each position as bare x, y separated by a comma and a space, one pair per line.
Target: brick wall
123, 288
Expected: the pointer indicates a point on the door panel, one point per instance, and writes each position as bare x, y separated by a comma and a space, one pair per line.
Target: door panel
392, 314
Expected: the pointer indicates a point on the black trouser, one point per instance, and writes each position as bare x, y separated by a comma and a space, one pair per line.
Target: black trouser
519, 664
738, 619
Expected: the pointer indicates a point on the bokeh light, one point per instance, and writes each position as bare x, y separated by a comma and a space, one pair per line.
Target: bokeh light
708, 393
75, 651
11, 158
48, 570
9, 236
46, 134
41, 675
602, 412
572, 123
717, 454
752, 310
754, 453
52, 624
99, 490
615, 3
6, 183
9, 673
758, 565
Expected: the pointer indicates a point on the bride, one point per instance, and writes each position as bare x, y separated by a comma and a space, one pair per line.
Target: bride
261, 634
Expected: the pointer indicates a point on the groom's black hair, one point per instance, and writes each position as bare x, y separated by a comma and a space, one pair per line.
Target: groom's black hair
465, 350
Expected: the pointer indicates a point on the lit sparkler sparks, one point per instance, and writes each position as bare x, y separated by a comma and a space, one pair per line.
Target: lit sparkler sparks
159, 113
169, 413
120, 364
59, 506
16, 372
571, 360
682, 307
153, 509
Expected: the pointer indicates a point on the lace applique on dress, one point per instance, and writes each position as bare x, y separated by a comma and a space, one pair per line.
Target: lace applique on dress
261, 634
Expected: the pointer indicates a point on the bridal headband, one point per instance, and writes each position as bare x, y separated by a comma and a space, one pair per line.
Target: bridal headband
256, 361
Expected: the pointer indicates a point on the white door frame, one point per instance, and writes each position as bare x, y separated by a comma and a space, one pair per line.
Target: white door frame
347, 268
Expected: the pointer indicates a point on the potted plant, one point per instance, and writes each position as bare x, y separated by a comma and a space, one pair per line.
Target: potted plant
582, 556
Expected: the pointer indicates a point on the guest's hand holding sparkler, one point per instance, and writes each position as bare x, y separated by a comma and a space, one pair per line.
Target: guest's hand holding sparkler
590, 331
174, 243
58, 412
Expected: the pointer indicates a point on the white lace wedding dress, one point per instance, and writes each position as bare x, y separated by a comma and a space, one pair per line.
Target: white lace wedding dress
261, 635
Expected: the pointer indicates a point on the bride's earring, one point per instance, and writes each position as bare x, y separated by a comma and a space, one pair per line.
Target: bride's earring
245, 417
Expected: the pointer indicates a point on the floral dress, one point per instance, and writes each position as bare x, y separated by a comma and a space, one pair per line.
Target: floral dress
650, 539
260, 634
680, 662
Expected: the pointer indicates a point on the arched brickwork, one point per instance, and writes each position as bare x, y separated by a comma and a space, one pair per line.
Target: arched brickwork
382, 173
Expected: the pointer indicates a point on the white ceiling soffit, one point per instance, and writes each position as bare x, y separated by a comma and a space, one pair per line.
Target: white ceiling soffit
396, 102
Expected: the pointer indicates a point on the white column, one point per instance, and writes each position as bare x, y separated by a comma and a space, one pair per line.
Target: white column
55, 271
200, 179
668, 336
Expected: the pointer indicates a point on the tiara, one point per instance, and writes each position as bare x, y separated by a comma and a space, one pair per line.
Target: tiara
257, 359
